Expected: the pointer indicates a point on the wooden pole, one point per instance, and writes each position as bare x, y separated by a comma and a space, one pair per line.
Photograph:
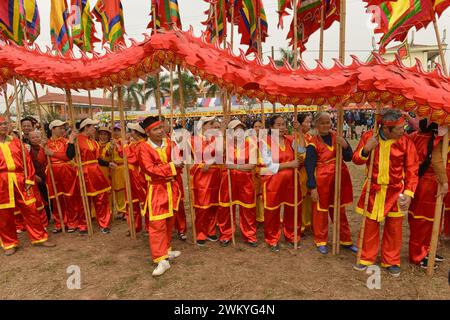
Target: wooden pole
367, 194
126, 172
91, 112
439, 42
49, 162
84, 197
216, 22
180, 90
439, 200
111, 149
260, 54
7, 104
295, 35
171, 98
158, 85
342, 31
322, 26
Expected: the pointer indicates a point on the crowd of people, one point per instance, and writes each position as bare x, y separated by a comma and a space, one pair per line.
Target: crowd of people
408, 172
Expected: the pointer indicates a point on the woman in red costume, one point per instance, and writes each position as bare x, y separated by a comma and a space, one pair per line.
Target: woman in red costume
320, 167
278, 183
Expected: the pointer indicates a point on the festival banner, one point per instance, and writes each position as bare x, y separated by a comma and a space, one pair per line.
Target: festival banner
110, 14
58, 26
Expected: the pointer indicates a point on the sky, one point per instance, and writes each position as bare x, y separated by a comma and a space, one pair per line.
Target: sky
359, 29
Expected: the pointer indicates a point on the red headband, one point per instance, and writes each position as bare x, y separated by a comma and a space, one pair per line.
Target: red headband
395, 123
154, 124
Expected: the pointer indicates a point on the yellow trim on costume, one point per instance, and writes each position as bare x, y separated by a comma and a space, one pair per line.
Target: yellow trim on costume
391, 214
366, 263
320, 244
331, 206
89, 162
29, 182
282, 203
238, 202
409, 193
420, 217
12, 202
344, 243
93, 194
172, 167
361, 156
39, 241
9, 247
383, 161
157, 260
7, 154
384, 265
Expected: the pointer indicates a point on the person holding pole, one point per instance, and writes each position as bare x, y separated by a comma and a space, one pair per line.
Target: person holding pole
243, 194
18, 193
320, 167
66, 182
117, 175
431, 174
393, 183
163, 194
97, 185
277, 153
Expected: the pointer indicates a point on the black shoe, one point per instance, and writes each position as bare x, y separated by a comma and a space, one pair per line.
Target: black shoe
182, 236
71, 230
252, 244
275, 248
424, 264
438, 258
212, 238
55, 231
201, 243
83, 232
224, 243
105, 230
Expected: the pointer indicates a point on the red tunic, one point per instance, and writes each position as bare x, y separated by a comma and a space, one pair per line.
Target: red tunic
325, 174
138, 183
96, 182
64, 172
395, 170
205, 185
424, 202
12, 173
279, 188
163, 194
242, 182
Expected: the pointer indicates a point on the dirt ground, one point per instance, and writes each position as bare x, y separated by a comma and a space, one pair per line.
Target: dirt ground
115, 267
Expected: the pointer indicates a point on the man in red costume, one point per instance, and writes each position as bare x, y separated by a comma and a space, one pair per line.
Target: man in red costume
17, 192
163, 193
394, 181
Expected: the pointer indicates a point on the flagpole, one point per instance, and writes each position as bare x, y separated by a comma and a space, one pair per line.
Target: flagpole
126, 171
81, 180
260, 54
8, 105
171, 97
49, 162
439, 200
158, 85
340, 115
90, 105
322, 27
295, 35
111, 150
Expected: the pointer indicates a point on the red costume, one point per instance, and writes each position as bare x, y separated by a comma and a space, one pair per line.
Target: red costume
162, 197
97, 185
395, 169
14, 195
421, 211
242, 194
446, 217
325, 169
205, 188
67, 186
278, 189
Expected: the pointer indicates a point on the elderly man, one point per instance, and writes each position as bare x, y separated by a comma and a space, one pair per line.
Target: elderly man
393, 183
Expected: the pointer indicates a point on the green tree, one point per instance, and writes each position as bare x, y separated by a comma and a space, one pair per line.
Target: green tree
132, 96
151, 87
190, 90
288, 55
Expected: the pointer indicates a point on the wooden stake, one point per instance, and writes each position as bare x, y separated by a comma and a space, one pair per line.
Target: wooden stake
19, 125
84, 197
260, 54
439, 42
49, 162
126, 172
171, 98
158, 86
91, 112
295, 35
342, 31
367, 194
322, 26
111, 149
180, 90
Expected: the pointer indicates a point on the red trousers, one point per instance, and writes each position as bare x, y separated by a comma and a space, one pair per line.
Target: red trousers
247, 223
205, 222
160, 237
419, 238
272, 225
20, 224
137, 217
180, 219
70, 209
391, 243
32, 221
102, 210
446, 223
320, 226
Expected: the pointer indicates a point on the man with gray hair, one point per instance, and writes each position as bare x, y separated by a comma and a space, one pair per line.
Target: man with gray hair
393, 183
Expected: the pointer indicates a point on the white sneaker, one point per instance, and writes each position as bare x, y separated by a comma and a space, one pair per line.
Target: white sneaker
163, 265
174, 254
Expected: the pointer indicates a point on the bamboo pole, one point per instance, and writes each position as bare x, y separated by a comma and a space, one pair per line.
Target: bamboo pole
49, 162
260, 54
158, 85
295, 35
7, 104
322, 26
367, 194
91, 112
126, 172
171, 97
111, 149
439, 200
180, 90
19, 125
84, 197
